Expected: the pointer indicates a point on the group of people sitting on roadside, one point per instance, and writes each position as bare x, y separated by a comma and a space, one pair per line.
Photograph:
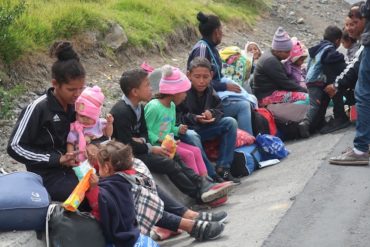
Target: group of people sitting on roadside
63, 128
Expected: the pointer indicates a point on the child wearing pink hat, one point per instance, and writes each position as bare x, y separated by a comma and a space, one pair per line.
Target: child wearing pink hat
88, 127
294, 64
160, 116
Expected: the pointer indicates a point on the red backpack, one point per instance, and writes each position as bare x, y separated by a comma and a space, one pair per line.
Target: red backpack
263, 122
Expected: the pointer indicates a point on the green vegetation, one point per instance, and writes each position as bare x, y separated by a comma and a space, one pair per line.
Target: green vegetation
32, 25
7, 98
8, 15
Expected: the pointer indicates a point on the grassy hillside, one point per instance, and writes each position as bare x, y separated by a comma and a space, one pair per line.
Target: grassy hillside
29, 25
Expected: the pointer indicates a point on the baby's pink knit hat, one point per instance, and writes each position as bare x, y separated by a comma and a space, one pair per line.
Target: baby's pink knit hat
89, 103
298, 50
173, 81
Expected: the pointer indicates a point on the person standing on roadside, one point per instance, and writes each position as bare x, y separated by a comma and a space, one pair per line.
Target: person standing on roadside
39, 138
346, 81
359, 154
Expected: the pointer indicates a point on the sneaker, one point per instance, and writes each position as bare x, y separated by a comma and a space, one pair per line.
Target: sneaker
217, 179
335, 124
218, 202
215, 217
304, 129
204, 230
216, 191
226, 175
350, 158
159, 234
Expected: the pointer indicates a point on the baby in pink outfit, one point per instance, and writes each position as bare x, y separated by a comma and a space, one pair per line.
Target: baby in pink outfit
88, 127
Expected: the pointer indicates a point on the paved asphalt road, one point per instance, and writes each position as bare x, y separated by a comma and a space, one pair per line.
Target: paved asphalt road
302, 201
333, 209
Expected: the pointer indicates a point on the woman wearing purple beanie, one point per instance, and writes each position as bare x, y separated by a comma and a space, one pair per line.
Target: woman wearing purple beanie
271, 83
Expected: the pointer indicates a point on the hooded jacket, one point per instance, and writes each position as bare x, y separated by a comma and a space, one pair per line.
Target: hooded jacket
332, 62
117, 211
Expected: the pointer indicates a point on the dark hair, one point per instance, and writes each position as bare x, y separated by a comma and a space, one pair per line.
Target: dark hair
118, 154
208, 24
68, 66
346, 37
200, 62
162, 95
132, 79
332, 33
355, 10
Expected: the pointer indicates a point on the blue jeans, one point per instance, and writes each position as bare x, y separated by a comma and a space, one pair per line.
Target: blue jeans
241, 111
362, 96
226, 130
193, 138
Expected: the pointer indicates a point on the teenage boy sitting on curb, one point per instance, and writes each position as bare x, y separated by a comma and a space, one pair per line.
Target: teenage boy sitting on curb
130, 128
202, 112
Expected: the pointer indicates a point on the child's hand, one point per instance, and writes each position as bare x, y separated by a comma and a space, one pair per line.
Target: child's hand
94, 180
206, 121
91, 154
330, 90
109, 118
182, 129
161, 151
207, 115
198, 118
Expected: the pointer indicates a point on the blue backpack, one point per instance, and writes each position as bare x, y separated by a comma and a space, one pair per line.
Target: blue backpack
24, 202
272, 147
246, 160
314, 67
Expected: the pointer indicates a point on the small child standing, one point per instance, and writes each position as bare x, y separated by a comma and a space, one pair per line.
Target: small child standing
160, 116
88, 127
324, 65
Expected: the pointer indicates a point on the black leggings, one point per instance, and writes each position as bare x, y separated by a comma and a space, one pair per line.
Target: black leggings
173, 212
60, 183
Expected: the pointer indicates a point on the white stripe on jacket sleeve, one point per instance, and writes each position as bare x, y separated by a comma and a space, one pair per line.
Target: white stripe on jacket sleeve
20, 131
